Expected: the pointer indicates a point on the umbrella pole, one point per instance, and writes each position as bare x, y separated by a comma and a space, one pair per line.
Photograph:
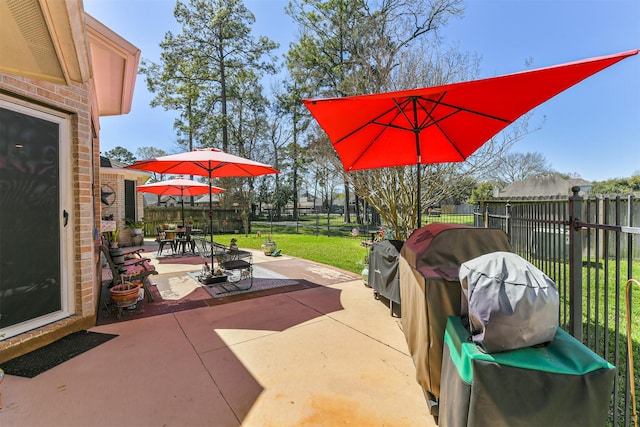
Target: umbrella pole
416, 131
211, 217
182, 203
418, 202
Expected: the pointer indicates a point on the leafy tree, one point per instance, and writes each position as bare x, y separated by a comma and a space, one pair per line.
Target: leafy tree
121, 155
209, 73
148, 153
483, 191
287, 108
325, 47
202, 67
618, 185
178, 87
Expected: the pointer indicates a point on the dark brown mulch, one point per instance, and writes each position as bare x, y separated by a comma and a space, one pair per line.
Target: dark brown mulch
38, 361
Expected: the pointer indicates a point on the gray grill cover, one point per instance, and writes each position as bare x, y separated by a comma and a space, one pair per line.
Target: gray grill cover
383, 268
510, 303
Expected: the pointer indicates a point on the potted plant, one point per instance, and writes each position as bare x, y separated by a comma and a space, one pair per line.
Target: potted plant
269, 246
365, 270
233, 245
125, 293
114, 236
135, 226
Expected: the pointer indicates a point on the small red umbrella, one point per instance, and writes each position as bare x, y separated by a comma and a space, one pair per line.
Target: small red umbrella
179, 187
209, 162
440, 124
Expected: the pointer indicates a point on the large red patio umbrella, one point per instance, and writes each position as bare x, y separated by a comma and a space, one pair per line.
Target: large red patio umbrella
209, 162
179, 187
440, 124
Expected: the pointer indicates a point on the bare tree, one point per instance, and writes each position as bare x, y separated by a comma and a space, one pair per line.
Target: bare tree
512, 167
353, 46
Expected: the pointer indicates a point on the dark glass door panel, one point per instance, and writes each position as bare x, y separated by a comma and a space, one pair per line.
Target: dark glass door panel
30, 279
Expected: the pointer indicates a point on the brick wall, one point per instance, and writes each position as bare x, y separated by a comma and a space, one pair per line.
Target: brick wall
116, 180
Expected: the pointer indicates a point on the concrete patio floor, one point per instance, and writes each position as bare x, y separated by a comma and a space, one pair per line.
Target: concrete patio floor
325, 356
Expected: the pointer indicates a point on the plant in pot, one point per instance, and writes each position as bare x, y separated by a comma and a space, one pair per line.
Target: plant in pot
365, 270
135, 226
269, 246
125, 293
114, 236
114, 249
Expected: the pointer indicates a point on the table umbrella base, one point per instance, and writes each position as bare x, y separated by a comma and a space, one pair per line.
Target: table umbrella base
212, 279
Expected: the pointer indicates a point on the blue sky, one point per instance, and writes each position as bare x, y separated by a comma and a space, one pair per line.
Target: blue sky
592, 129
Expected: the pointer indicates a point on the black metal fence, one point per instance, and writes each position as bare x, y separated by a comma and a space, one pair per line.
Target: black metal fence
591, 248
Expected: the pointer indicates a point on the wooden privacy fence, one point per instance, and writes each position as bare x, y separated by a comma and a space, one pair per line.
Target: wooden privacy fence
224, 220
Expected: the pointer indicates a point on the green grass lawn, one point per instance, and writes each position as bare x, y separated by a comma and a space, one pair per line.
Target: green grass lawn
342, 252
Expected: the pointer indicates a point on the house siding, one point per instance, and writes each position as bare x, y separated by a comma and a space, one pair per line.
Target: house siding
76, 100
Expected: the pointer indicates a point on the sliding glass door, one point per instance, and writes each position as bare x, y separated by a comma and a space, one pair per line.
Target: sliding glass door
33, 285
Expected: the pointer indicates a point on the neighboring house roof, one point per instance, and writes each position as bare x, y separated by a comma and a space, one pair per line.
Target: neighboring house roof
106, 162
150, 199
205, 199
544, 185
113, 166
56, 41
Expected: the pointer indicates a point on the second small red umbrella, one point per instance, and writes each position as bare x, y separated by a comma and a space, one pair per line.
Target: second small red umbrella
179, 187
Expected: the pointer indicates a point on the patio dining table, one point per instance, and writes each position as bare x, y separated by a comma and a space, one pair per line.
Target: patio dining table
177, 234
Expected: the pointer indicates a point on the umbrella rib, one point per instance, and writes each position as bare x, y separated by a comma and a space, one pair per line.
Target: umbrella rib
372, 121
429, 116
459, 109
237, 165
373, 140
401, 108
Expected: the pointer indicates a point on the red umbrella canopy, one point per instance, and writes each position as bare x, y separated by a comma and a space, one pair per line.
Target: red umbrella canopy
178, 187
442, 123
209, 162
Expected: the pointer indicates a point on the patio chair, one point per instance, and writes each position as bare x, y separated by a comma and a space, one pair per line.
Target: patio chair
182, 242
164, 241
133, 270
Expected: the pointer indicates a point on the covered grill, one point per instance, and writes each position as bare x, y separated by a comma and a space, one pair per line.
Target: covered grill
429, 264
384, 277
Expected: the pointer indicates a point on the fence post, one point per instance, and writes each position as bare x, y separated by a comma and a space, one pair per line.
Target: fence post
575, 265
486, 216
507, 219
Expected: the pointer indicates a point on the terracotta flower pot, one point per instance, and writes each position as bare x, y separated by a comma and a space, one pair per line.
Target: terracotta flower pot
125, 292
